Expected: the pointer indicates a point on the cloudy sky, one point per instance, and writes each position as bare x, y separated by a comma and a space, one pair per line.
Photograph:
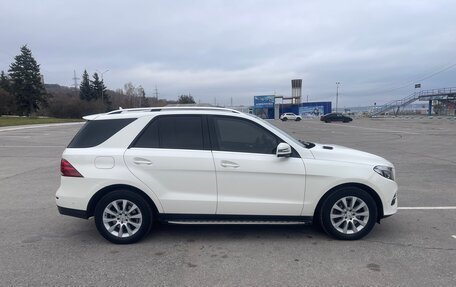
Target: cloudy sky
238, 49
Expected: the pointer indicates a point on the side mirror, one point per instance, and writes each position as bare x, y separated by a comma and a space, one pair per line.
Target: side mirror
283, 150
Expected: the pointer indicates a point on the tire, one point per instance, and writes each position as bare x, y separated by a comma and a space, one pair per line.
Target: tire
297, 119
117, 207
360, 218
284, 119
327, 121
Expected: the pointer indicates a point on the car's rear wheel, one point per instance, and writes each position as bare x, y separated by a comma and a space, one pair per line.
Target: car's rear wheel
327, 121
123, 217
348, 214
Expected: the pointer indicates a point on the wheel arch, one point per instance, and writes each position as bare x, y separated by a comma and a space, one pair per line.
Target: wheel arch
102, 192
361, 186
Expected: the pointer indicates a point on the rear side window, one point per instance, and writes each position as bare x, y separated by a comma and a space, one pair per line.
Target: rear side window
173, 132
94, 133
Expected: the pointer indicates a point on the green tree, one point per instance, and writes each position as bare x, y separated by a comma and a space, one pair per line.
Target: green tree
98, 89
26, 82
4, 81
85, 89
186, 99
7, 103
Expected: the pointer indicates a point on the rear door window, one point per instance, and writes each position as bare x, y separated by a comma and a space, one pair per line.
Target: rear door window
181, 132
149, 137
96, 132
173, 132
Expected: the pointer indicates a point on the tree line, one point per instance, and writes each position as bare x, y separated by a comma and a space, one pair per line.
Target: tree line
23, 92
93, 89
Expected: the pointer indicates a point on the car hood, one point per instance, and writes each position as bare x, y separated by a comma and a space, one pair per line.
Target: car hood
344, 154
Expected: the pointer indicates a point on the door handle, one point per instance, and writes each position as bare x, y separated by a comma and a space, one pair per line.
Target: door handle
142, 161
226, 163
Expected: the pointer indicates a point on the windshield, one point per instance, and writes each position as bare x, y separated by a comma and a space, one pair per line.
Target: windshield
302, 143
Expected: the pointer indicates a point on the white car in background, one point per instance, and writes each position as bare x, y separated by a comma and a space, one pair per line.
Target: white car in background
129, 168
290, 116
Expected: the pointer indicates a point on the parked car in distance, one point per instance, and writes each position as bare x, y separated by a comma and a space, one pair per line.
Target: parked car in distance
335, 117
130, 168
290, 116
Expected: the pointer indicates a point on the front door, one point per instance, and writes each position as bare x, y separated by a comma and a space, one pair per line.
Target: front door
251, 179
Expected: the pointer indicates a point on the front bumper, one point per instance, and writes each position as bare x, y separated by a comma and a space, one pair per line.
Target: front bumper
389, 200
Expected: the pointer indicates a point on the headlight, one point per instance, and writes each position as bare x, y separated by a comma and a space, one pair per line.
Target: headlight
385, 171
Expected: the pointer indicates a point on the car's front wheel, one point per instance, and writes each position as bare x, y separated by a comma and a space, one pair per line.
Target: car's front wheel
297, 119
284, 119
348, 214
123, 217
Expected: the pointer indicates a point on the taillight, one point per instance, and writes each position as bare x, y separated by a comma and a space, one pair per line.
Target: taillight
66, 169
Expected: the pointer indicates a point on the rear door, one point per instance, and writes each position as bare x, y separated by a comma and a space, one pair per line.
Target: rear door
251, 179
173, 158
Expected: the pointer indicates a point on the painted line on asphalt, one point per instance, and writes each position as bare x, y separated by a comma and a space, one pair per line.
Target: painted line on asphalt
426, 207
372, 129
37, 126
377, 129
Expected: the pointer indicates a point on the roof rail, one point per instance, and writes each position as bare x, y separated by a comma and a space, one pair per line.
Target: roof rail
120, 110
157, 109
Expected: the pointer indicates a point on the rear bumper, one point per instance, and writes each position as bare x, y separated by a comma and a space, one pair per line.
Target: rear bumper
72, 212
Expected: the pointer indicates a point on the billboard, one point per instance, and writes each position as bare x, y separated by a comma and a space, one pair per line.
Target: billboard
309, 109
312, 111
264, 101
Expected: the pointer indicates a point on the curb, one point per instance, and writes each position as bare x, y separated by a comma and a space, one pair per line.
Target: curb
15, 128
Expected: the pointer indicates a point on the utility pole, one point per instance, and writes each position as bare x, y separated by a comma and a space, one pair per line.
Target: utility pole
75, 79
337, 95
107, 70
156, 92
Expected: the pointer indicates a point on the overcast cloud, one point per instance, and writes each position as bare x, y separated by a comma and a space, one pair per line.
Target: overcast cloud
239, 49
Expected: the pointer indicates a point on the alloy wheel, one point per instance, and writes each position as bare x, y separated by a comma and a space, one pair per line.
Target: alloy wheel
349, 215
122, 218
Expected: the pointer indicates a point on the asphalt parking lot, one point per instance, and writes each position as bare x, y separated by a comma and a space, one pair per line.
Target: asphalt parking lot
414, 247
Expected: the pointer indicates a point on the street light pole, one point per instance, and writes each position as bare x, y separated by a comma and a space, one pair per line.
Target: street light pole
337, 95
107, 70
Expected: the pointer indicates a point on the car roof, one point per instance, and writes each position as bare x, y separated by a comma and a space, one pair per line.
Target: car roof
140, 112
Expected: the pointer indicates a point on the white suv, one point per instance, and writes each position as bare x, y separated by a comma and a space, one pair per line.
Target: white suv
290, 116
129, 168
